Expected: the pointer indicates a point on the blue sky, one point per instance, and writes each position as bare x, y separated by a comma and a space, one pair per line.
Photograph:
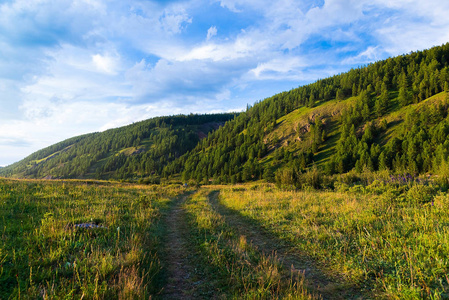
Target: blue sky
78, 66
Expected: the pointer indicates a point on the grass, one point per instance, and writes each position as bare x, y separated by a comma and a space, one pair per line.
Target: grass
286, 130
379, 241
386, 239
241, 271
44, 255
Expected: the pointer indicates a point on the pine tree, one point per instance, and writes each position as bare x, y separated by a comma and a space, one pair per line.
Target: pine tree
340, 95
383, 163
403, 97
268, 174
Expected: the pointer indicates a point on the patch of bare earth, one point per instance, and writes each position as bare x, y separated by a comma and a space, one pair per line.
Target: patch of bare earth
294, 262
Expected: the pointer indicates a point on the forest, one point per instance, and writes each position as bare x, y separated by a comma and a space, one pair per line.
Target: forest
138, 149
388, 115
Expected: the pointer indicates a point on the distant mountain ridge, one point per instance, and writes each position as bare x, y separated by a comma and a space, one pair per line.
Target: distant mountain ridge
137, 150
390, 115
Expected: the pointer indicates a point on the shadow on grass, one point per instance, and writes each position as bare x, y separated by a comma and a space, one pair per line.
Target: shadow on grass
184, 274
318, 281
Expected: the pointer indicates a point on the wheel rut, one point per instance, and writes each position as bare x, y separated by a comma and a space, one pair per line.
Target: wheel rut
294, 262
178, 267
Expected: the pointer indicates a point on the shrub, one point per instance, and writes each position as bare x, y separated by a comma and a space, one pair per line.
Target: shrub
312, 178
420, 194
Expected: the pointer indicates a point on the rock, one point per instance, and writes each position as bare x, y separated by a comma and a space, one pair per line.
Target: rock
89, 225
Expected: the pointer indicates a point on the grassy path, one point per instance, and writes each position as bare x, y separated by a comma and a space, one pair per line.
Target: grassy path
293, 261
179, 269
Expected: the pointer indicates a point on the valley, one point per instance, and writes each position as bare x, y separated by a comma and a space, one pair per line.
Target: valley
224, 150
385, 239
332, 190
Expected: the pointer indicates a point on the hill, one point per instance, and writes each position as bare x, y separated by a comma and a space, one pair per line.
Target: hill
139, 150
389, 115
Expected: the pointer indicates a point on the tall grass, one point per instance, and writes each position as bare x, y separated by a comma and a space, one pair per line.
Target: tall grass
390, 238
241, 270
43, 254
381, 237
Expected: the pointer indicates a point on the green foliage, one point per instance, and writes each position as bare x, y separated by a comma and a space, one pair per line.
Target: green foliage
268, 174
420, 194
312, 178
376, 117
93, 240
397, 250
138, 150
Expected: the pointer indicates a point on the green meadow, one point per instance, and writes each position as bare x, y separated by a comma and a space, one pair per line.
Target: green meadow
383, 239
45, 253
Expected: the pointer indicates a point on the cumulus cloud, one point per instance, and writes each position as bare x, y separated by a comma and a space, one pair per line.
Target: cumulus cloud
229, 4
183, 80
89, 65
75, 74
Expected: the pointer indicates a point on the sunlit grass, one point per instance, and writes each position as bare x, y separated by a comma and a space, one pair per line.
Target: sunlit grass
395, 246
242, 270
44, 255
381, 238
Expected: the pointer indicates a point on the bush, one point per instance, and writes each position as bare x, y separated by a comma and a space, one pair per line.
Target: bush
443, 176
150, 180
341, 187
313, 178
377, 187
420, 194
350, 178
357, 188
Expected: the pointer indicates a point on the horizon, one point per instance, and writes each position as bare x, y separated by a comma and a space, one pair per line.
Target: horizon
113, 64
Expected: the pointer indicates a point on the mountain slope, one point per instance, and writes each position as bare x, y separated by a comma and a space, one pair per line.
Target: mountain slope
388, 115
134, 151
367, 118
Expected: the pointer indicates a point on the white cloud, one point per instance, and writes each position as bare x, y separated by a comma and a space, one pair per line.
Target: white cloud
229, 4
369, 55
412, 25
174, 20
279, 69
75, 74
244, 46
105, 63
66, 62
211, 32
183, 82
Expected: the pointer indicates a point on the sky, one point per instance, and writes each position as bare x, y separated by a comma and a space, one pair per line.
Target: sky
79, 66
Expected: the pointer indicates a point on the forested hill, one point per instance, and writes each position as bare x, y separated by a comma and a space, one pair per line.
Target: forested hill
388, 115
137, 151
